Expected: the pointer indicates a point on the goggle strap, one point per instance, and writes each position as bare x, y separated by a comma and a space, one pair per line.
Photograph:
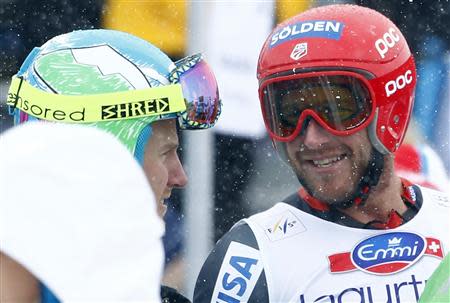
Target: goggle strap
11, 108
372, 132
131, 104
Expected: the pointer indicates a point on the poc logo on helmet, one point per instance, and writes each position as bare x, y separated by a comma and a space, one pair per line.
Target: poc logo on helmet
389, 39
392, 86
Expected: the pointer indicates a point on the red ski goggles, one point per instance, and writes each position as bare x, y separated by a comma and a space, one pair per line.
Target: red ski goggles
340, 101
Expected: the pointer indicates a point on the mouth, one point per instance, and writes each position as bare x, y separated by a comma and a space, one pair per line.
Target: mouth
328, 162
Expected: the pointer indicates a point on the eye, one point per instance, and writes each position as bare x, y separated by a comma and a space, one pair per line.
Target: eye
166, 152
169, 151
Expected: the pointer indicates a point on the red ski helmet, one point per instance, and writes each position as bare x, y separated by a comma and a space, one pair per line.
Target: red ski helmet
345, 66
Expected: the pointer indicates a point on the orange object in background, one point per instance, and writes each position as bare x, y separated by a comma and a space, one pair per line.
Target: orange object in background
162, 22
290, 8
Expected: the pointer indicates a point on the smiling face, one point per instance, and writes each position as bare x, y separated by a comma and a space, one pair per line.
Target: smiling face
329, 167
161, 163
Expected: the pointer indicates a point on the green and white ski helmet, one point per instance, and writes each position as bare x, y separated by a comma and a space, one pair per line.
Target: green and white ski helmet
116, 82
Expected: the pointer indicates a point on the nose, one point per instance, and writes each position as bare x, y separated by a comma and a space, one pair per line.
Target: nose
177, 177
315, 136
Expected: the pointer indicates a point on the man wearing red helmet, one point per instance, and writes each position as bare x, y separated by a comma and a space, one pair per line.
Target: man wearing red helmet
336, 85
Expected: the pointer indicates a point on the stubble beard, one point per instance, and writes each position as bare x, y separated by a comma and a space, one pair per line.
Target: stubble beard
322, 192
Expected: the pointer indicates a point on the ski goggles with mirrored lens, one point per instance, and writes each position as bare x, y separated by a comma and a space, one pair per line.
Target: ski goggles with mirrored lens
200, 90
341, 102
194, 97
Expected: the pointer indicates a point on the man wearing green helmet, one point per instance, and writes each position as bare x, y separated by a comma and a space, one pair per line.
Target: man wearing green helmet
119, 83
125, 86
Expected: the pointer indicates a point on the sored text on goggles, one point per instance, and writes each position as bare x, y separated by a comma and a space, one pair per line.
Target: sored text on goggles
341, 102
154, 101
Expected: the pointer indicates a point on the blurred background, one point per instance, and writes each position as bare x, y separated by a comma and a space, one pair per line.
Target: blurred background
243, 173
